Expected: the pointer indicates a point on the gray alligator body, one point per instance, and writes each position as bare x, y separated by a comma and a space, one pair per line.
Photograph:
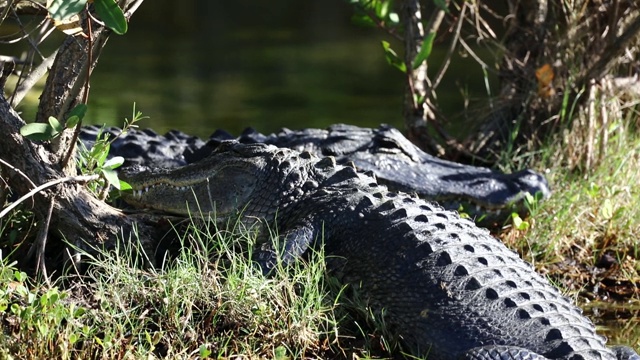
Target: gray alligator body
445, 286
487, 196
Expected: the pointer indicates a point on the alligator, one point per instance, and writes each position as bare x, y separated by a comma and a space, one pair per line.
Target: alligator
487, 196
445, 286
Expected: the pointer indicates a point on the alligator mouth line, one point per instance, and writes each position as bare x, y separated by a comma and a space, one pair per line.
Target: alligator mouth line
138, 193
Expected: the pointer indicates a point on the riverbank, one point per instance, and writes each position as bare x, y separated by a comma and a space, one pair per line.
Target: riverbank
210, 301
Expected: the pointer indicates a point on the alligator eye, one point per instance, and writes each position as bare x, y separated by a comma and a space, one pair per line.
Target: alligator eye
388, 144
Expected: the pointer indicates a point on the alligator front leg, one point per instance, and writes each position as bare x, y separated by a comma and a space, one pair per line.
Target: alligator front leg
290, 246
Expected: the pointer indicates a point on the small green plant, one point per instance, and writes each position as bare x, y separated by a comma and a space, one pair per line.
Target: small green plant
94, 161
379, 13
41, 317
53, 129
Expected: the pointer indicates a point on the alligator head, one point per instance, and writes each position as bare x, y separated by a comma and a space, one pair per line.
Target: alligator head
218, 185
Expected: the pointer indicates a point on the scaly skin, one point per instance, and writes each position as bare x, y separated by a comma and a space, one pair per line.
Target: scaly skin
445, 286
489, 197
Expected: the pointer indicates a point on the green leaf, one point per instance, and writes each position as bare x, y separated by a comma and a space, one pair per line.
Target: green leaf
425, 51
204, 352
518, 223
392, 57
20, 276
99, 153
607, 209
72, 122
112, 177
113, 163
125, 185
394, 18
64, 9
382, 9
55, 124
37, 131
79, 110
112, 15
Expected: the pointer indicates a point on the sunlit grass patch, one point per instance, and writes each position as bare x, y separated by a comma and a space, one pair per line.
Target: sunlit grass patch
585, 235
209, 300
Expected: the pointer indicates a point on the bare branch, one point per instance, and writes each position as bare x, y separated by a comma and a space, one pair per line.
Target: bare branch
27, 84
76, 179
447, 59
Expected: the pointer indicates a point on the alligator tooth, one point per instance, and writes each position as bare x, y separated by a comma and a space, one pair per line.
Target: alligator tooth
146, 189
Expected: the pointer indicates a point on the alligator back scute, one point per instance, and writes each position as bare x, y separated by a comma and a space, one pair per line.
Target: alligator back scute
447, 286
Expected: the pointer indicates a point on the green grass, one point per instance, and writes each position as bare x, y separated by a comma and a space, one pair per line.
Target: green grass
207, 300
210, 300
584, 238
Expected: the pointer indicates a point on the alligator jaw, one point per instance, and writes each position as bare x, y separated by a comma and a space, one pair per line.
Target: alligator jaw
209, 187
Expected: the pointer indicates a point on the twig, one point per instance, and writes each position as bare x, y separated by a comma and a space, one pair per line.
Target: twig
474, 56
381, 25
134, 6
447, 59
25, 86
5, 11
41, 243
18, 171
79, 179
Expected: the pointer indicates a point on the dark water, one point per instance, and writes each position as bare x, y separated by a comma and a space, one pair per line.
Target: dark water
619, 322
205, 65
